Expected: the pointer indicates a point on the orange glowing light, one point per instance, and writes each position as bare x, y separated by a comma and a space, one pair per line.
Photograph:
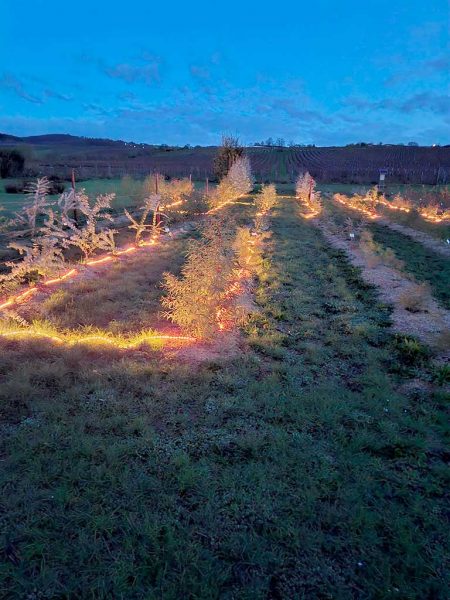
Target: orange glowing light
393, 205
355, 205
126, 251
100, 261
67, 275
7, 303
72, 340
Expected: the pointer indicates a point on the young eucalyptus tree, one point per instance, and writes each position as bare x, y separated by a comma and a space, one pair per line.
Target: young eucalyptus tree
237, 183
84, 233
25, 223
266, 199
193, 300
305, 186
43, 257
140, 225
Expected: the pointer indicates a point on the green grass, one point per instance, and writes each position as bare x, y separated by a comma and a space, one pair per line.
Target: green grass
424, 264
125, 196
13, 202
293, 470
440, 231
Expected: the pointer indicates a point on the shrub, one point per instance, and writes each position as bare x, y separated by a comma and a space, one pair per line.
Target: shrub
42, 258
86, 237
12, 163
266, 199
193, 300
25, 222
304, 186
411, 352
237, 183
416, 299
140, 224
248, 249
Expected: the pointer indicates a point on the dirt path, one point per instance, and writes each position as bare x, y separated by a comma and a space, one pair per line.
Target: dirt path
430, 325
419, 236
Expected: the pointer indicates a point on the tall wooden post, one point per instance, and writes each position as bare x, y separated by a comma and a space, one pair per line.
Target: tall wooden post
156, 215
75, 212
207, 186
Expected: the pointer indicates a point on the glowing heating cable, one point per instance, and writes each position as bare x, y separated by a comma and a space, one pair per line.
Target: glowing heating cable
99, 339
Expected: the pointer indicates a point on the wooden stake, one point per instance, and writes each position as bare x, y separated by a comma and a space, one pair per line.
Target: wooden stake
75, 212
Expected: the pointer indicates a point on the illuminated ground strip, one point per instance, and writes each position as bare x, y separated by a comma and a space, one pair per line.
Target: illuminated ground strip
349, 204
73, 340
432, 217
393, 206
426, 213
314, 210
23, 296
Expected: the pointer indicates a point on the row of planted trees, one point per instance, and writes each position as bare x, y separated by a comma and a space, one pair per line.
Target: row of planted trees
206, 296
430, 210
44, 232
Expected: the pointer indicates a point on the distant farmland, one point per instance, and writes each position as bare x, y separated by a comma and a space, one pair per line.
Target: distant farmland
58, 154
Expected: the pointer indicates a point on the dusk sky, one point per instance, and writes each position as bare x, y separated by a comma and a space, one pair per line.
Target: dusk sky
178, 72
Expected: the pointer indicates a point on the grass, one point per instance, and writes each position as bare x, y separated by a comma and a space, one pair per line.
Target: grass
426, 265
440, 231
13, 202
296, 469
126, 195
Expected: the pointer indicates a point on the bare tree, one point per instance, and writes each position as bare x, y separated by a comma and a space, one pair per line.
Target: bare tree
227, 154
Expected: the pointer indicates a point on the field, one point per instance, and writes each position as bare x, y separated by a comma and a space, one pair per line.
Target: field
94, 158
301, 454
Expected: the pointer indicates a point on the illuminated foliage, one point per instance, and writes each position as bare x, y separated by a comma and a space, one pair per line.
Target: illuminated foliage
366, 204
85, 236
434, 213
42, 258
237, 183
397, 203
25, 223
305, 186
175, 191
140, 225
193, 300
248, 249
266, 199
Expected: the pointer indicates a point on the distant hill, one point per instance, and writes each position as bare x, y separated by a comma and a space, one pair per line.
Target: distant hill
62, 138
8, 139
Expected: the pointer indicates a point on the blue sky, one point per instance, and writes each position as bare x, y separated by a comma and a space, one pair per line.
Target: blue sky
177, 72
